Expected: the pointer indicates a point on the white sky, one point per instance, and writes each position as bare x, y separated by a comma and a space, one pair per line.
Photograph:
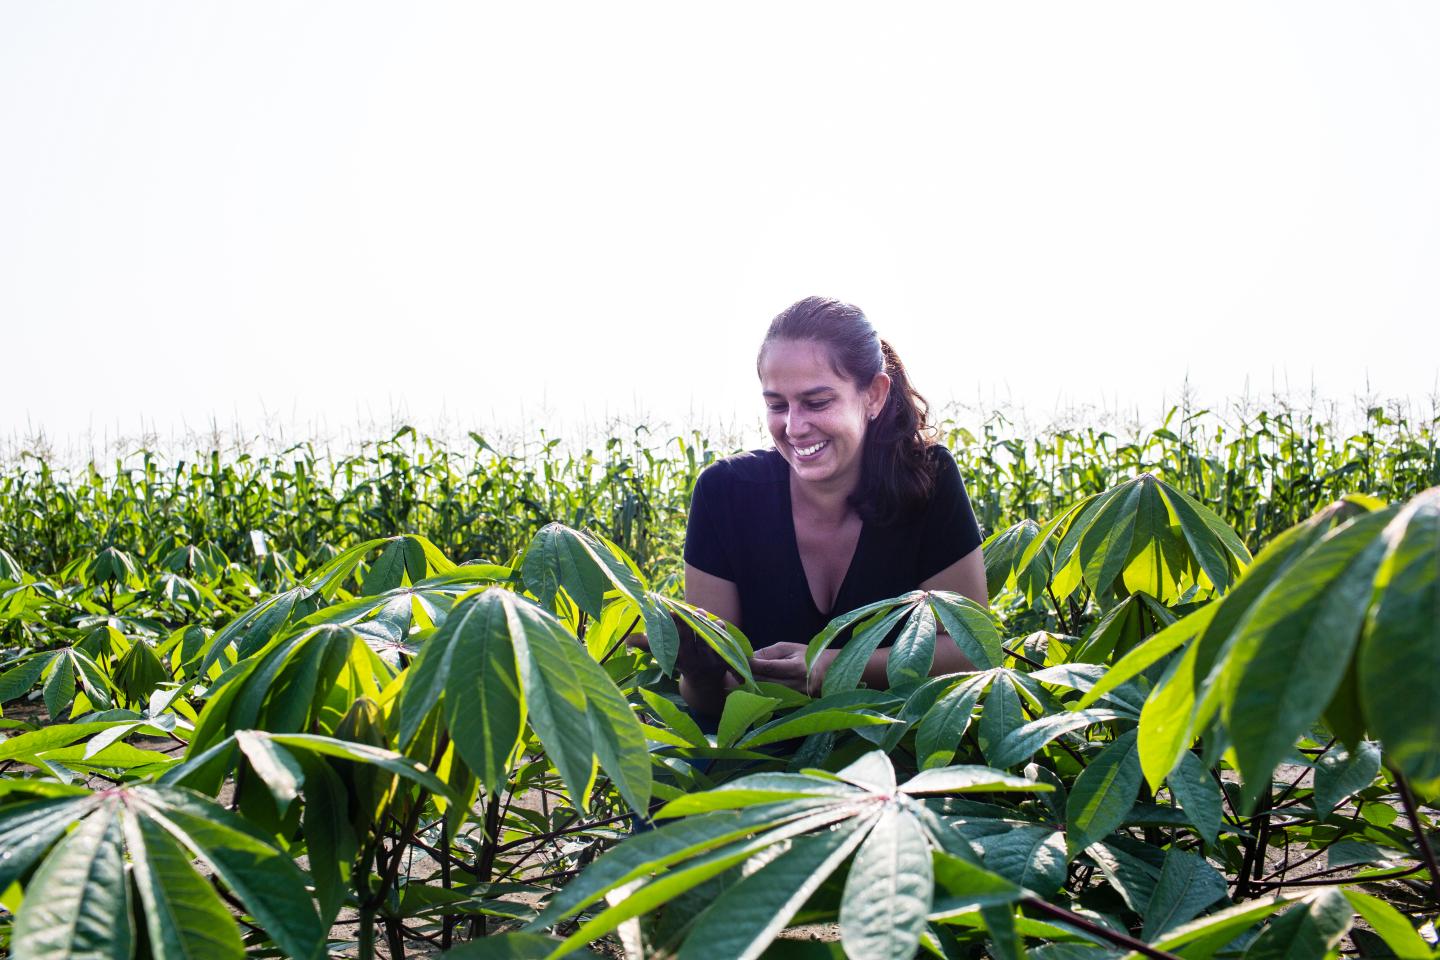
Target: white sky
335, 211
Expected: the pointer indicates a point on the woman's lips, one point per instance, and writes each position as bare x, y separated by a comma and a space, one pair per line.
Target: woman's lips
809, 451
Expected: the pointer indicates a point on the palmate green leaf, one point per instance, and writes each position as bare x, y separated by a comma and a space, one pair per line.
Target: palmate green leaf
756, 789
1186, 886
1312, 928
676, 719
1022, 742
741, 711
140, 672
1103, 793
1341, 773
1188, 696
1002, 552
962, 886
971, 626
559, 557
403, 557
1001, 716
78, 902
26, 746
1391, 925
18, 680
484, 709
1141, 535
943, 724
803, 723
888, 891
329, 577
849, 664
1290, 653
1149, 652
743, 921
1201, 939
254, 628
274, 765
184, 916
1198, 795
913, 652
835, 627
679, 879
1399, 658
573, 705
269, 884
1031, 857
28, 829
59, 689
398, 764
968, 778
728, 642
655, 850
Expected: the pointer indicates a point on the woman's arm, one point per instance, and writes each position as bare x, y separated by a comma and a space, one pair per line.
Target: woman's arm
785, 662
721, 597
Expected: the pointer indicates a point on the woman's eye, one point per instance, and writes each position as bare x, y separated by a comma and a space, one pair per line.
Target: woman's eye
776, 407
819, 405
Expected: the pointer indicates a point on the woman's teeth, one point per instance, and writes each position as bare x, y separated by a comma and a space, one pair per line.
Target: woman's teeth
811, 450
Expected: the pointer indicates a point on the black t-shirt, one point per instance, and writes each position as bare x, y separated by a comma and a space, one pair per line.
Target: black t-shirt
741, 529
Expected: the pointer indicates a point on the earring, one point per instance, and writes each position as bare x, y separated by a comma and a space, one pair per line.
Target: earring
872, 417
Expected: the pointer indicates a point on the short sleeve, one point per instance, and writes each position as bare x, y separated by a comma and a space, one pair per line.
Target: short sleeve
705, 548
949, 529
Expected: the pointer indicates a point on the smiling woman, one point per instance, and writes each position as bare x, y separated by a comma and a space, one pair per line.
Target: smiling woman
853, 504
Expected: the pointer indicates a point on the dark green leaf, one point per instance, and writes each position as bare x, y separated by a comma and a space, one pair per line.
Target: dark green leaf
184, 916
1104, 793
78, 902
747, 916
1032, 857
888, 892
1310, 929
1187, 885
1399, 658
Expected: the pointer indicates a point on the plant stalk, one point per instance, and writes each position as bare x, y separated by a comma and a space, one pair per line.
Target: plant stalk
1095, 929
1427, 853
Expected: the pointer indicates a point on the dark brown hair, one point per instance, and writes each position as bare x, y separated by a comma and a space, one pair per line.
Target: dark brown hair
896, 472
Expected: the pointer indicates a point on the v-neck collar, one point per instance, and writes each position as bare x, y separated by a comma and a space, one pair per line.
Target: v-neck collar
799, 562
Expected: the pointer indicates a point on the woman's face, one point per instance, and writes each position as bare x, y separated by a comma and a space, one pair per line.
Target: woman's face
816, 416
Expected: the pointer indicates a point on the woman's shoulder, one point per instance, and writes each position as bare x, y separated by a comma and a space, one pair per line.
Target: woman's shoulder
752, 466
940, 456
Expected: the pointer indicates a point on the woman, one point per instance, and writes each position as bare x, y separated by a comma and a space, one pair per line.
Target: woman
852, 505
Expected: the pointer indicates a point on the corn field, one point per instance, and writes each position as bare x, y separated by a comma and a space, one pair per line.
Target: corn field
380, 703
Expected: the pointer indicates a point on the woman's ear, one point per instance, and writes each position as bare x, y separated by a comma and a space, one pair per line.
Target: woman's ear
876, 394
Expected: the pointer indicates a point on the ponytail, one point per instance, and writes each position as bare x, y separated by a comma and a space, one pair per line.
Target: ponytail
897, 473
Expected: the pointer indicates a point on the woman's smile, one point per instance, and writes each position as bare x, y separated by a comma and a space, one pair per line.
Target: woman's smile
810, 452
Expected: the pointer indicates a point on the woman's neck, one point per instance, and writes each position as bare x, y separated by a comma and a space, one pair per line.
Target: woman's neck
826, 503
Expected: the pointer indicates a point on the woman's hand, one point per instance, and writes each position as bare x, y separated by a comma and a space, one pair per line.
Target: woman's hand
784, 663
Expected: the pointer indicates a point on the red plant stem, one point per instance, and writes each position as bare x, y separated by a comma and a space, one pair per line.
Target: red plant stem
1095, 929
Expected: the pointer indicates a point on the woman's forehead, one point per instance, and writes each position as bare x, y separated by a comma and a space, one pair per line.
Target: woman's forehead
799, 366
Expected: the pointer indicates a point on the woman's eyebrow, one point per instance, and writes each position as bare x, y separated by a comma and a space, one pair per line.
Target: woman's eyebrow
813, 391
